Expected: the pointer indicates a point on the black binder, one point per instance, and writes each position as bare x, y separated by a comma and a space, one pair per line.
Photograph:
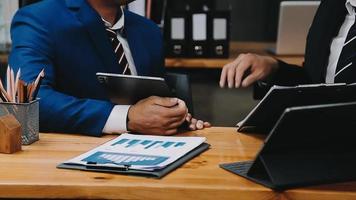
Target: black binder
199, 36
265, 115
151, 174
176, 34
308, 145
219, 41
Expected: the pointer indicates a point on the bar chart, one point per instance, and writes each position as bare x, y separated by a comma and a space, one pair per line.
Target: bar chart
148, 144
139, 152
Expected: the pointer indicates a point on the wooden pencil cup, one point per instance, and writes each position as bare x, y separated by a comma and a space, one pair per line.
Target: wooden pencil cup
10, 134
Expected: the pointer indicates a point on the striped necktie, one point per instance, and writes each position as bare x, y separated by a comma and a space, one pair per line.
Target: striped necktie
119, 50
346, 68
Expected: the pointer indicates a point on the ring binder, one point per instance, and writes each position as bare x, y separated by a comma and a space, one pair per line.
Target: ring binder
200, 35
176, 35
220, 29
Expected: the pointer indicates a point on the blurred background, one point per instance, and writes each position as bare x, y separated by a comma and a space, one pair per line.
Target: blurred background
248, 26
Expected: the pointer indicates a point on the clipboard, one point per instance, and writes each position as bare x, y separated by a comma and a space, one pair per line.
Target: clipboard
158, 174
265, 115
309, 145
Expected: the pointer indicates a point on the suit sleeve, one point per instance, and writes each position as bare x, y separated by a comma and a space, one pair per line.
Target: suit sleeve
33, 50
286, 75
289, 75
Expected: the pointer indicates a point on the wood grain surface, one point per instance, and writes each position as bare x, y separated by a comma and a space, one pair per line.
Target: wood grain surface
32, 173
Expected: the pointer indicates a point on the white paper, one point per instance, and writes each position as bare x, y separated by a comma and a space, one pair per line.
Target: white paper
200, 27
139, 152
220, 29
7, 11
177, 28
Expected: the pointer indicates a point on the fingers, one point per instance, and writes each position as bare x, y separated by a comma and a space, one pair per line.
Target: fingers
233, 73
227, 74
164, 101
193, 124
200, 124
188, 118
175, 125
223, 76
250, 79
242, 69
180, 110
246, 69
231, 76
207, 125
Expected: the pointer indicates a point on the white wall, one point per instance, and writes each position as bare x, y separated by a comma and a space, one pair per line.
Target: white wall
7, 11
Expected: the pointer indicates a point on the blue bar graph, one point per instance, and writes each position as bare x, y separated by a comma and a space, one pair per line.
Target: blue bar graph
148, 144
153, 144
167, 144
179, 144
132, 143
122, 141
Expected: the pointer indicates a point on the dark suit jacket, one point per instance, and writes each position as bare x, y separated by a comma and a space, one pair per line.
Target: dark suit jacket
326, 25
67, 38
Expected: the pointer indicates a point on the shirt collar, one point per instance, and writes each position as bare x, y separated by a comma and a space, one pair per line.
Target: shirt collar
350, 6
119, 24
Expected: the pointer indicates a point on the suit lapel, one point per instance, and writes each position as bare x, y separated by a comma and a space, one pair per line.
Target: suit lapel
329, 19
136, 43
336, 20
96, 30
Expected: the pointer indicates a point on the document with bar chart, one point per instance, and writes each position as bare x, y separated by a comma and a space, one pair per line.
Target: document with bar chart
139, 152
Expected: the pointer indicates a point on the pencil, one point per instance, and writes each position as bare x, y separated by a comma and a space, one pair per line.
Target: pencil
8, 82
4, 94
18, 74
20, 94
13, 85
37, 85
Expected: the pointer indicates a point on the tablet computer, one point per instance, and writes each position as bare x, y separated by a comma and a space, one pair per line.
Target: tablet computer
265, 115
308, 145
128, 89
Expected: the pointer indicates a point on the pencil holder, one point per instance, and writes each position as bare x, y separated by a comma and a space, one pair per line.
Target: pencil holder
28, 116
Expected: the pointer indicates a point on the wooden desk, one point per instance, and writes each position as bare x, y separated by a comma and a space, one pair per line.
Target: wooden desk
235, 49
32, 173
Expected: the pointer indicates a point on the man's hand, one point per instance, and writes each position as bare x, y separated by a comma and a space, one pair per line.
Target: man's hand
247, 69
195, 124
157, 116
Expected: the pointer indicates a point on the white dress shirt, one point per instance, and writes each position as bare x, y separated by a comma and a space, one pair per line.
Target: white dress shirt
338, 42
116, 122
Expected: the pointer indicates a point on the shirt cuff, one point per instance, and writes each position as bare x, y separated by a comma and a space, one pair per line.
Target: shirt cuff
117, 121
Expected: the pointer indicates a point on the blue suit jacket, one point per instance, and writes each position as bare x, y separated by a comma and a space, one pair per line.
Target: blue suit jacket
67, 38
